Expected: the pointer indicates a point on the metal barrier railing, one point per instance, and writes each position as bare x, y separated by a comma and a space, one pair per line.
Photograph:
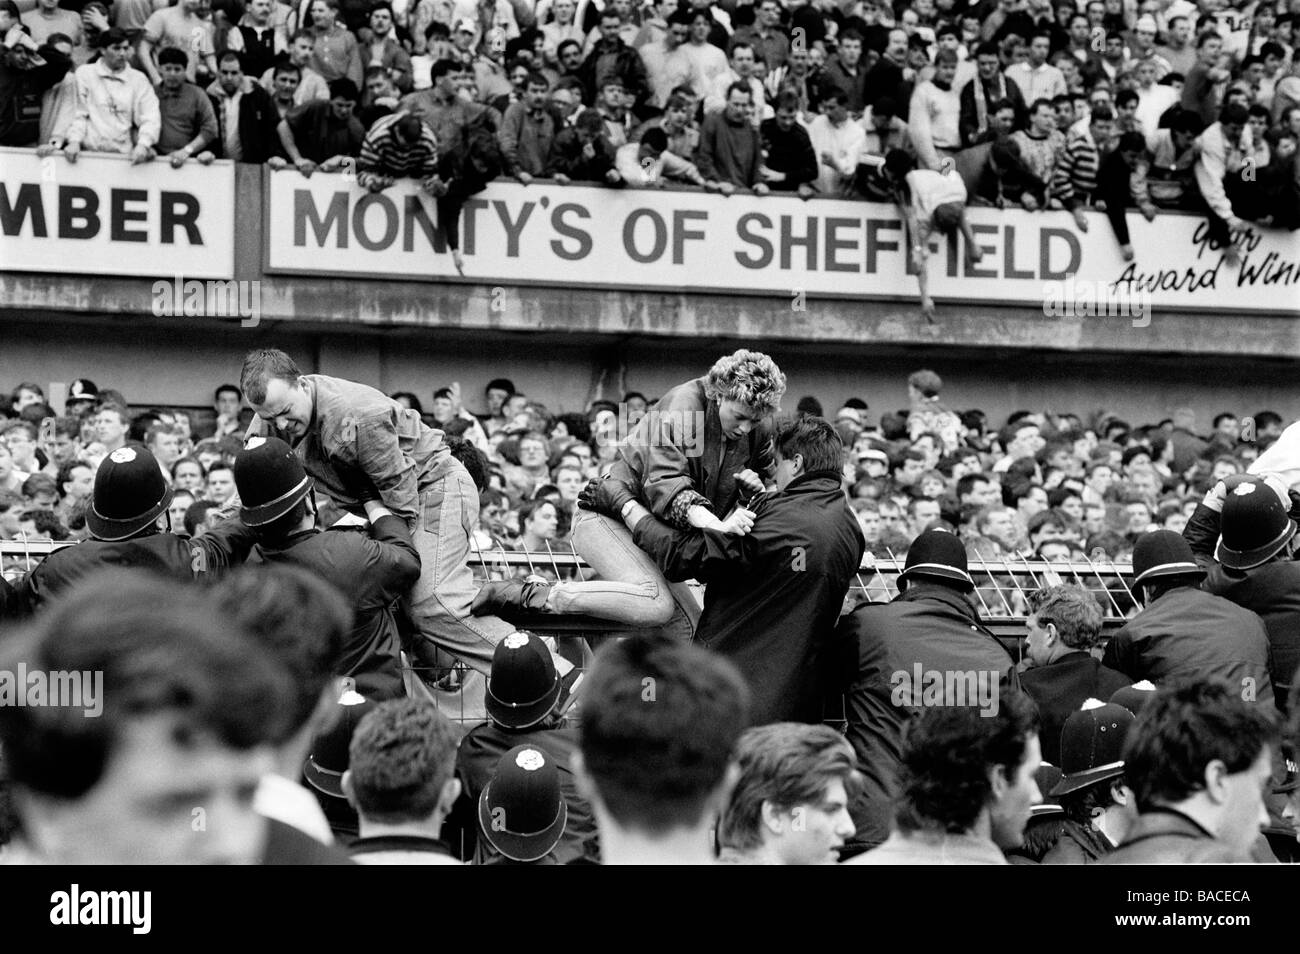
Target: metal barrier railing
1002, 587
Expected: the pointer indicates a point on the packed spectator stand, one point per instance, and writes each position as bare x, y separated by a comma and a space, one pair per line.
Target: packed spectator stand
1113, 106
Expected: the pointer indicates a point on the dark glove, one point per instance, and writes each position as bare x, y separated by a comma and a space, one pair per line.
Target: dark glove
605, 495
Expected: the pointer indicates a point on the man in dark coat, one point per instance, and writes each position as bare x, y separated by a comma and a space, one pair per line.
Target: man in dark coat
931, 627
130, 495
774, 595
370, 573
1198, 758
26, 72
1254, 566
522, 697
255, 118
1183, 631
1064, 624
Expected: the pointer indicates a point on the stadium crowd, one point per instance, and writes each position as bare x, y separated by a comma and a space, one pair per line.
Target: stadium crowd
1049, 485
931, 104
262, 698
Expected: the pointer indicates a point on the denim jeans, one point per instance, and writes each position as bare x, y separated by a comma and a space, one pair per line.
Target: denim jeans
632, 590
439, 603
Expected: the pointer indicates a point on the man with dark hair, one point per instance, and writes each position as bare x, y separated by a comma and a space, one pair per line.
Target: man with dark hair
980, 96
1184, 631
300, 620
790, 805
189, 124
660, 720
194, 708
117, 108
967, 786
1199, 760
1064, 625
130, 495
774, 595
323, 133
371, 572
931, 626
611, 57
731, 150
396, 147
357, 444
226, 401
789, 162
1233, 199
27, 71
528, 129
845, 70
311, 85
401, 780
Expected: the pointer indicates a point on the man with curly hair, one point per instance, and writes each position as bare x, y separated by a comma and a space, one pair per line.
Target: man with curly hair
701, 453
968, 786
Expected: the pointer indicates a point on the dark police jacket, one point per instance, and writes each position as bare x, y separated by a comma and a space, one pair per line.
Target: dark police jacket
177, 558
1186, 632
1060, 688
931, 625
1272, 591
774, 595
476, 763
371, 574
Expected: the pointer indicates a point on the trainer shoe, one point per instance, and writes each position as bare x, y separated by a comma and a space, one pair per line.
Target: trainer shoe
510, 596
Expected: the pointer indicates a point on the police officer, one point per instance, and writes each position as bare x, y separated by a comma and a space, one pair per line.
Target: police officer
277, 505
1253, 565
933, 625
1185, 631
130, 495
523, 699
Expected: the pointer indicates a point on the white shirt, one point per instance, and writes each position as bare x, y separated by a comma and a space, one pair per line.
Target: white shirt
843, 142
931, 189
110, 105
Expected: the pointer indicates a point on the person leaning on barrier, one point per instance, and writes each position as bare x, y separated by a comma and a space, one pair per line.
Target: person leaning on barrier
130, 495
1063, 625
933, 626
1183, 631
1244, 537
1199, 760
370, 571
